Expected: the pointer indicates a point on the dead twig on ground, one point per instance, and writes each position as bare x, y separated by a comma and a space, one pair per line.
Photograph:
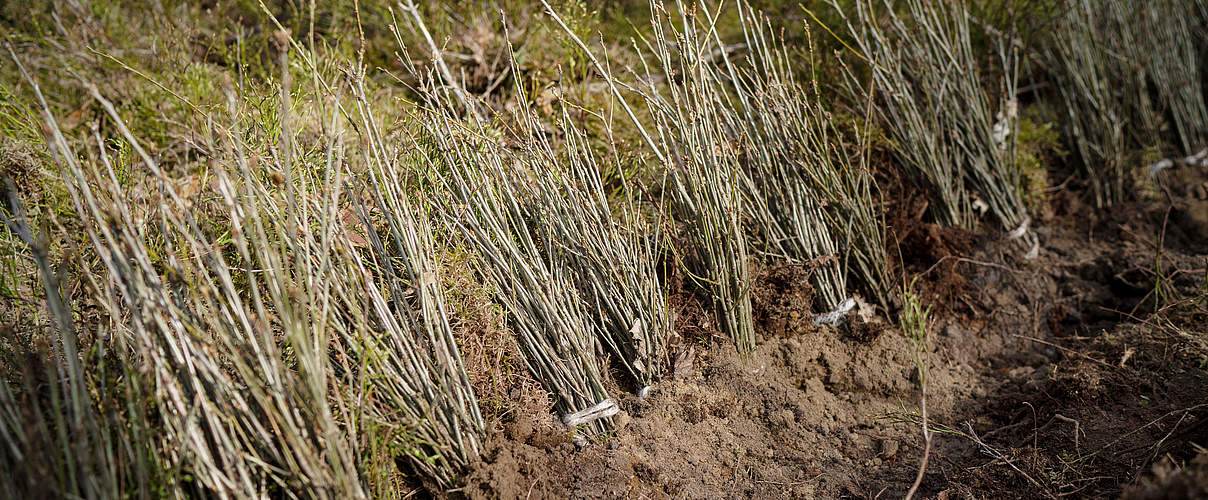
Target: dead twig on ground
1064, 349
1000, 456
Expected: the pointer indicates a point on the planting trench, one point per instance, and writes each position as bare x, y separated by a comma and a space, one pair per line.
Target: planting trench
1046, 378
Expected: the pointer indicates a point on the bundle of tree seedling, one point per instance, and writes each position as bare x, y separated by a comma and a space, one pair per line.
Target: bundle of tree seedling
613, 253
278, 354
926, 84
810, 196
412, 364
488, 201
1124, 72
571, 273
232, 346
755, 163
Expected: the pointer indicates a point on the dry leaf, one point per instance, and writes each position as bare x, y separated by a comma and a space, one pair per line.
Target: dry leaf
350, 224
73, 119
188, 186
683, 363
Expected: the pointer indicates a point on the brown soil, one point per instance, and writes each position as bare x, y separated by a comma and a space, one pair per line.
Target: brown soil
1065, 376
